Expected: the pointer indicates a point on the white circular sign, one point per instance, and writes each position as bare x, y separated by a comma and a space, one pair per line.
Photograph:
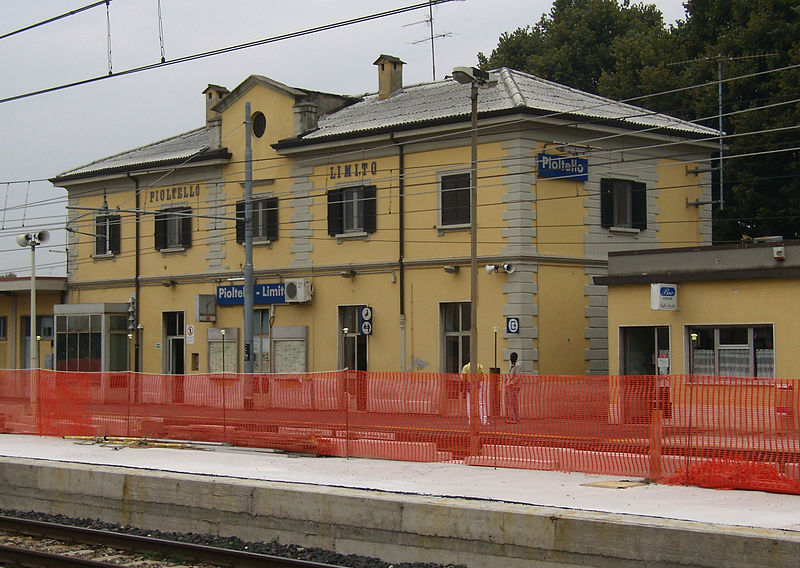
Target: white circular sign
366, 328
366, 313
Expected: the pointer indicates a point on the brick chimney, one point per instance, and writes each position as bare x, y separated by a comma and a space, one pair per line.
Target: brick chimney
214, 94
390, 75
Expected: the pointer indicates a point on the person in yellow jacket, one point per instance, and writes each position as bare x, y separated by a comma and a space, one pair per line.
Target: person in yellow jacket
482, 391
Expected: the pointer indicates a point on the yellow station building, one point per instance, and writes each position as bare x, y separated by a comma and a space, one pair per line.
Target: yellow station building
361, 228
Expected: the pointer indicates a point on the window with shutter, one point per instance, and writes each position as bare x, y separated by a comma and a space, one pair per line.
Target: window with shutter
107, 235
265, 219
352, 210
623, 203
173, 228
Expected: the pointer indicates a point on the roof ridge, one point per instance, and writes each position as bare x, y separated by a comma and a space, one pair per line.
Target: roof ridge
511, 86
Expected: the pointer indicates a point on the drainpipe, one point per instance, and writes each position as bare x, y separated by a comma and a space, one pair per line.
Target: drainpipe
137, 352
401, 165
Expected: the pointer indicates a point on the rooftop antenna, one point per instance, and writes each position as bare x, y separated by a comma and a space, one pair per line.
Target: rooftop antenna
433, 36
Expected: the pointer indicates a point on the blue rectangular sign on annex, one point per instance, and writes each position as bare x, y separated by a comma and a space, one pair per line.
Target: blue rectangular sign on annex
562, 167
262, 294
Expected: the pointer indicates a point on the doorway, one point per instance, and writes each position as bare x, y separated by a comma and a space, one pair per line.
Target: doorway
644, 354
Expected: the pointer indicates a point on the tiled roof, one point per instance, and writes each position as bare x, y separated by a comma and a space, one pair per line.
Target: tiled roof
167, 151
440, 100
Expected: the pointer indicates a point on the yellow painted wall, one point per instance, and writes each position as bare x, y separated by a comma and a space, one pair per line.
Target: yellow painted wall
678, 224
423, 171
560, 216
562, 327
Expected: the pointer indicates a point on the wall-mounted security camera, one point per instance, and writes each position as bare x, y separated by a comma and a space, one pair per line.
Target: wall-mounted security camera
508, 268
492, 268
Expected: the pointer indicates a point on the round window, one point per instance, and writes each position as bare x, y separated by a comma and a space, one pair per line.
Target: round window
259, 124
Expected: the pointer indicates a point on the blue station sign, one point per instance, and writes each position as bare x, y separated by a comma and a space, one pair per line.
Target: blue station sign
563, 167
262, 294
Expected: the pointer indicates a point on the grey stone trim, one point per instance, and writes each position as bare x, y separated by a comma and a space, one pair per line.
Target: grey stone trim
520, 289
301, 232
520, 185
596, 313
72, 241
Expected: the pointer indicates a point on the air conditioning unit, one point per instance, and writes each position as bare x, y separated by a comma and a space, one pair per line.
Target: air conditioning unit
297, 290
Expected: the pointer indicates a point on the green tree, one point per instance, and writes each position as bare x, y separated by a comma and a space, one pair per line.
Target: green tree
755, 45
575, 43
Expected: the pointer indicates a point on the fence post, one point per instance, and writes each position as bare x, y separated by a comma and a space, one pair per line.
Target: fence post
656, 439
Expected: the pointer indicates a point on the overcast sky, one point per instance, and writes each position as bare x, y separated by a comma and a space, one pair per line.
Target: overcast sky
47, 134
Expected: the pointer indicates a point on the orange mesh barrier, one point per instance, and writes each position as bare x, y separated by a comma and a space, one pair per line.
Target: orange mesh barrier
710, 431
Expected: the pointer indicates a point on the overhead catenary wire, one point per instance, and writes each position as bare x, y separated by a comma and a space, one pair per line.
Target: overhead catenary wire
55, 18
229, 49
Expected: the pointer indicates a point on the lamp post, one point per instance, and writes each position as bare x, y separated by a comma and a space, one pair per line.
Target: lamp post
475, 78
222, 333
33, 240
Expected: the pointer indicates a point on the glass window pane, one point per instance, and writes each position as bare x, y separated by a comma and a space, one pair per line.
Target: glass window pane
451, 319
762, 337
733, 336
119, 323
97, 324
465, 317
61, 323
72, 352
78, 323
83, 352
44, 326
118, 352
464, 351
95, 352
349, 318
734, 362
702, 338
350, 352
452, 354
61, 352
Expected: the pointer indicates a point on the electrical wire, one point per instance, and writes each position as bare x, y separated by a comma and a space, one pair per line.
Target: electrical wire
55, 18
229, 49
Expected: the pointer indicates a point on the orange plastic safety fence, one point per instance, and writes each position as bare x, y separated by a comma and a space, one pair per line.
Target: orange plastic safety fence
700, 430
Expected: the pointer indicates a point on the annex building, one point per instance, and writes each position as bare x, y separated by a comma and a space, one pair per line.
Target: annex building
362, 221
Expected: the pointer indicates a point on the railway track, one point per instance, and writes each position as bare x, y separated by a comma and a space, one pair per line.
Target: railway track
35, 544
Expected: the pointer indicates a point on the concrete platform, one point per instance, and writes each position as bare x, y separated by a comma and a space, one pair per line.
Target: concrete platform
401, 511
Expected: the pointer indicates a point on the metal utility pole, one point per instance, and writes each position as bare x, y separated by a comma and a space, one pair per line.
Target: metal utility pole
249, 282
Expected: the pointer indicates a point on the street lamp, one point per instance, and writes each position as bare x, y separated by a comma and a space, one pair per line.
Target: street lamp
33, 240
475, 78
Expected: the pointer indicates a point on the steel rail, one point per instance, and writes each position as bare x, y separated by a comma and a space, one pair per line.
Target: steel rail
148, 545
